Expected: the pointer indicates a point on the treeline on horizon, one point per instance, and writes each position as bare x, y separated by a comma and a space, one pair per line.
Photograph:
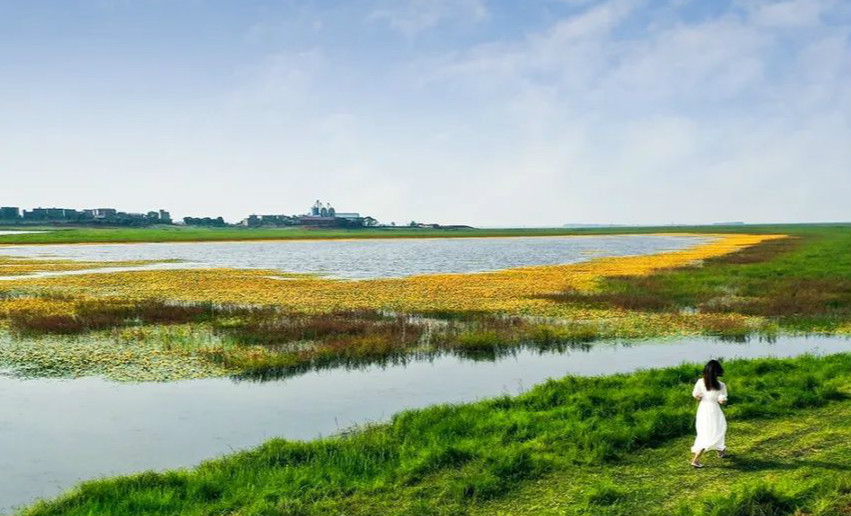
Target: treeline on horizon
111, 217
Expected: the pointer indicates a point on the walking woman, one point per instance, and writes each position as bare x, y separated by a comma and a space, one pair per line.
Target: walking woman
710, 422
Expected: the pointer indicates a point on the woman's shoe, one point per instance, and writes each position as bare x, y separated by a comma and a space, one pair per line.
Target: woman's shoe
696, 465
722, 454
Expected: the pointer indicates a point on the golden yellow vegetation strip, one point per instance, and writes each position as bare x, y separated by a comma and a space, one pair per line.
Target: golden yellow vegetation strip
17, 266
511, 290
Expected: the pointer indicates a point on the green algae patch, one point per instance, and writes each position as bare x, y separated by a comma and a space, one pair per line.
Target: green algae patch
130, 355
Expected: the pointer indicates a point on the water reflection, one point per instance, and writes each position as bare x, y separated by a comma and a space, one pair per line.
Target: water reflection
403, 358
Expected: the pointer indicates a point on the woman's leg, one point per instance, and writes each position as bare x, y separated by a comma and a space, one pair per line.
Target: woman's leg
695, 461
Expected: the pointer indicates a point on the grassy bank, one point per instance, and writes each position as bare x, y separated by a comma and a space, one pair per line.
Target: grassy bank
802, 283
793, 465
66, 235
572, 446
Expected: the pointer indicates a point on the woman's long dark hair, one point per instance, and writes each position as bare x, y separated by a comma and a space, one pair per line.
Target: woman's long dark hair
711, 372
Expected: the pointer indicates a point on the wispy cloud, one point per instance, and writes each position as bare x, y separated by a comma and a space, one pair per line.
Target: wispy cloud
411, 17
789, 13
732, 104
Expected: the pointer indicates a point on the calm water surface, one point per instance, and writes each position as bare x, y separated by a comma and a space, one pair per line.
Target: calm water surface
54, 433
368, 258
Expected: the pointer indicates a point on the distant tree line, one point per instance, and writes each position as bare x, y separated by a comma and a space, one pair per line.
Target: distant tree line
205, 221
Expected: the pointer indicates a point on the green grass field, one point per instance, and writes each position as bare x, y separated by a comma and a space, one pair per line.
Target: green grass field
60, 235
613, 445
70, 235
800, 464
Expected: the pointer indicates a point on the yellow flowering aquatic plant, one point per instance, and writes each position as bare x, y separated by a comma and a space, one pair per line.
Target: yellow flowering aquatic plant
515, 291
19, 266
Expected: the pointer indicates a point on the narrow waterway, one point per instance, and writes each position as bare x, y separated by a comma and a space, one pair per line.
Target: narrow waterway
54, 433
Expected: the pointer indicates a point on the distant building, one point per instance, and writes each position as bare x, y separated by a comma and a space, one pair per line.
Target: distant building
55, 215
104, 213
35, 214
90, 216
311, 221
10, 213
324, 215
343, 215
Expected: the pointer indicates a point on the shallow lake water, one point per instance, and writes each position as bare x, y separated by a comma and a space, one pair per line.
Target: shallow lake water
54, 433
367, 258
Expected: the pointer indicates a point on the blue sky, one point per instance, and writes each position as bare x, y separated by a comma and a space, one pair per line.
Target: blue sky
452, 111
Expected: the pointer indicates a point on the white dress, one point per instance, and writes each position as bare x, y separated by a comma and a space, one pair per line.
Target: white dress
710, 421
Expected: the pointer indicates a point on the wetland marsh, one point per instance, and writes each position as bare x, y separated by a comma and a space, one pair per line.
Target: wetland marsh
164, 368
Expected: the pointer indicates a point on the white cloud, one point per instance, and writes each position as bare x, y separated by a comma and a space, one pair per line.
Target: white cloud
790, 13
731, 116
581, 55
412, 17
569, 49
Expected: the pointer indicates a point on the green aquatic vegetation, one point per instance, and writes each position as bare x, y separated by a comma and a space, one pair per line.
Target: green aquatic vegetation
453, 459
137, 354
103, 336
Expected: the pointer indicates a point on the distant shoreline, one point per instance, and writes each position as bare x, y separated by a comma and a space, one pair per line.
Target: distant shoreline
65, 235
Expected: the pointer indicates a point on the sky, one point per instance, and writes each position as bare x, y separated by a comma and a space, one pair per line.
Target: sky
490, 113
